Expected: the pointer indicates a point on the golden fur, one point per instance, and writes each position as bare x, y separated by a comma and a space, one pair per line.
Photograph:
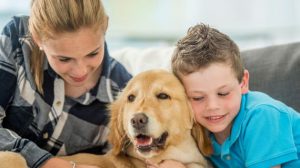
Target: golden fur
11, 160
151, 120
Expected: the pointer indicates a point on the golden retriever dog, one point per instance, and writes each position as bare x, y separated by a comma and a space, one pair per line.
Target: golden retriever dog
150, 121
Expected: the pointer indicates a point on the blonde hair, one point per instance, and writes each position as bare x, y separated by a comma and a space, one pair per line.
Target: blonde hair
203, 46
51, 17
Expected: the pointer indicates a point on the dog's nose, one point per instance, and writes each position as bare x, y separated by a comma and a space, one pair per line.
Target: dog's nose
139, 121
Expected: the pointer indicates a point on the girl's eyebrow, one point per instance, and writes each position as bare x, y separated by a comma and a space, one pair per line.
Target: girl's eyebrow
64, 56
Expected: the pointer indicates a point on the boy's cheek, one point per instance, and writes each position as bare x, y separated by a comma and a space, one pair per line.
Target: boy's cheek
197, 109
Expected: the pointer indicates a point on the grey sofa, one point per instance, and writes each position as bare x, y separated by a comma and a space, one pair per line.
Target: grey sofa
275, 70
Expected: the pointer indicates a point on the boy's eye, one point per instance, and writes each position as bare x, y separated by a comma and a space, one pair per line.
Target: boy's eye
197, 98
223, 94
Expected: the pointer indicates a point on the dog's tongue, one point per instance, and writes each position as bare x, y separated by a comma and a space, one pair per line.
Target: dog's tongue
143, 140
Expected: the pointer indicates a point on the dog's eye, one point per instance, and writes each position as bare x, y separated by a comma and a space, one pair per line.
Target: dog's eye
163, 96
131, 98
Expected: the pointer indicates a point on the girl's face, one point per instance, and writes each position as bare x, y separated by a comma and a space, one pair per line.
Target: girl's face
76, 56
215, 96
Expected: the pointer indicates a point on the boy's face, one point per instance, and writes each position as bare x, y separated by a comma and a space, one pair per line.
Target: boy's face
215, 95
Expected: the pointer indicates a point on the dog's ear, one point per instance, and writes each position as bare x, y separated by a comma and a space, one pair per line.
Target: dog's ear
189, 119
117, 135
201, 136
199, 133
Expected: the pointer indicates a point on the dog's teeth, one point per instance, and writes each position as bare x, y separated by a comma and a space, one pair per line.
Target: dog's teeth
144, 141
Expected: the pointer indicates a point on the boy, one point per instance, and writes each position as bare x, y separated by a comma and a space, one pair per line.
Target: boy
246, 128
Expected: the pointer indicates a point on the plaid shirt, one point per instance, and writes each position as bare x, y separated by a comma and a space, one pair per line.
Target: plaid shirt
41, 125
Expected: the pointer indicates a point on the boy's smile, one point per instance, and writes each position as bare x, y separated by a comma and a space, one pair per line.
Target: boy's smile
215, 95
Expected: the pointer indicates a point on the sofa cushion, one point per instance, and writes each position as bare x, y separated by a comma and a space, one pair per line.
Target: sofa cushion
137, 60
275, 70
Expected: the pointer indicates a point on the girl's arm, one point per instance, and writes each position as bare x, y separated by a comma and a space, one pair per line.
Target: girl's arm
60, 163
10, 63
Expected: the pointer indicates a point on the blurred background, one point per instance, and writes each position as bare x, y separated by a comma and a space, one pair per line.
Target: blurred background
157, 23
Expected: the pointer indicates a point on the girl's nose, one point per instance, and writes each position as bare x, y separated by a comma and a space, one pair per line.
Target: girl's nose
80, 69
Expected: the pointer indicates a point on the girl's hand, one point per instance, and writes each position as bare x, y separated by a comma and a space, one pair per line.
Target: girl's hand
86, 166
166, 164
60, 163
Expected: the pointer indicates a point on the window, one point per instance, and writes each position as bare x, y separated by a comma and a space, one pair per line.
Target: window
146, 23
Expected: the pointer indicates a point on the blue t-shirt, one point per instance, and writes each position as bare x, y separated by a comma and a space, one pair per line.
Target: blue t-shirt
265, 133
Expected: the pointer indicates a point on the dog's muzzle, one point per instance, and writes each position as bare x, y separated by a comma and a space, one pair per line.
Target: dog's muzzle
143, 141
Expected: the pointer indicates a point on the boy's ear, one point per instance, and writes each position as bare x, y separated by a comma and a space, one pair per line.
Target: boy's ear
245, 82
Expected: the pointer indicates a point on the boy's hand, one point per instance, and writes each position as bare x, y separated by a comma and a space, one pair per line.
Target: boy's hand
166, 164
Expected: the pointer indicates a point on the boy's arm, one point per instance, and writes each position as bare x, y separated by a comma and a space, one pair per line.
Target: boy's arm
166, 164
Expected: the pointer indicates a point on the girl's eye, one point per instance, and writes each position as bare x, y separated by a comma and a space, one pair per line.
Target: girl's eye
93, 54
64, 59
223, 94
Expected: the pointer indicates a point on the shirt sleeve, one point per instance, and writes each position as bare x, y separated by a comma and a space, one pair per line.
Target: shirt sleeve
9, 140
7, 68
268, 138
34, 156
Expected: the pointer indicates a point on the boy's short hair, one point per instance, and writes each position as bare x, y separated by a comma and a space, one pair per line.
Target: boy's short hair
203, 46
